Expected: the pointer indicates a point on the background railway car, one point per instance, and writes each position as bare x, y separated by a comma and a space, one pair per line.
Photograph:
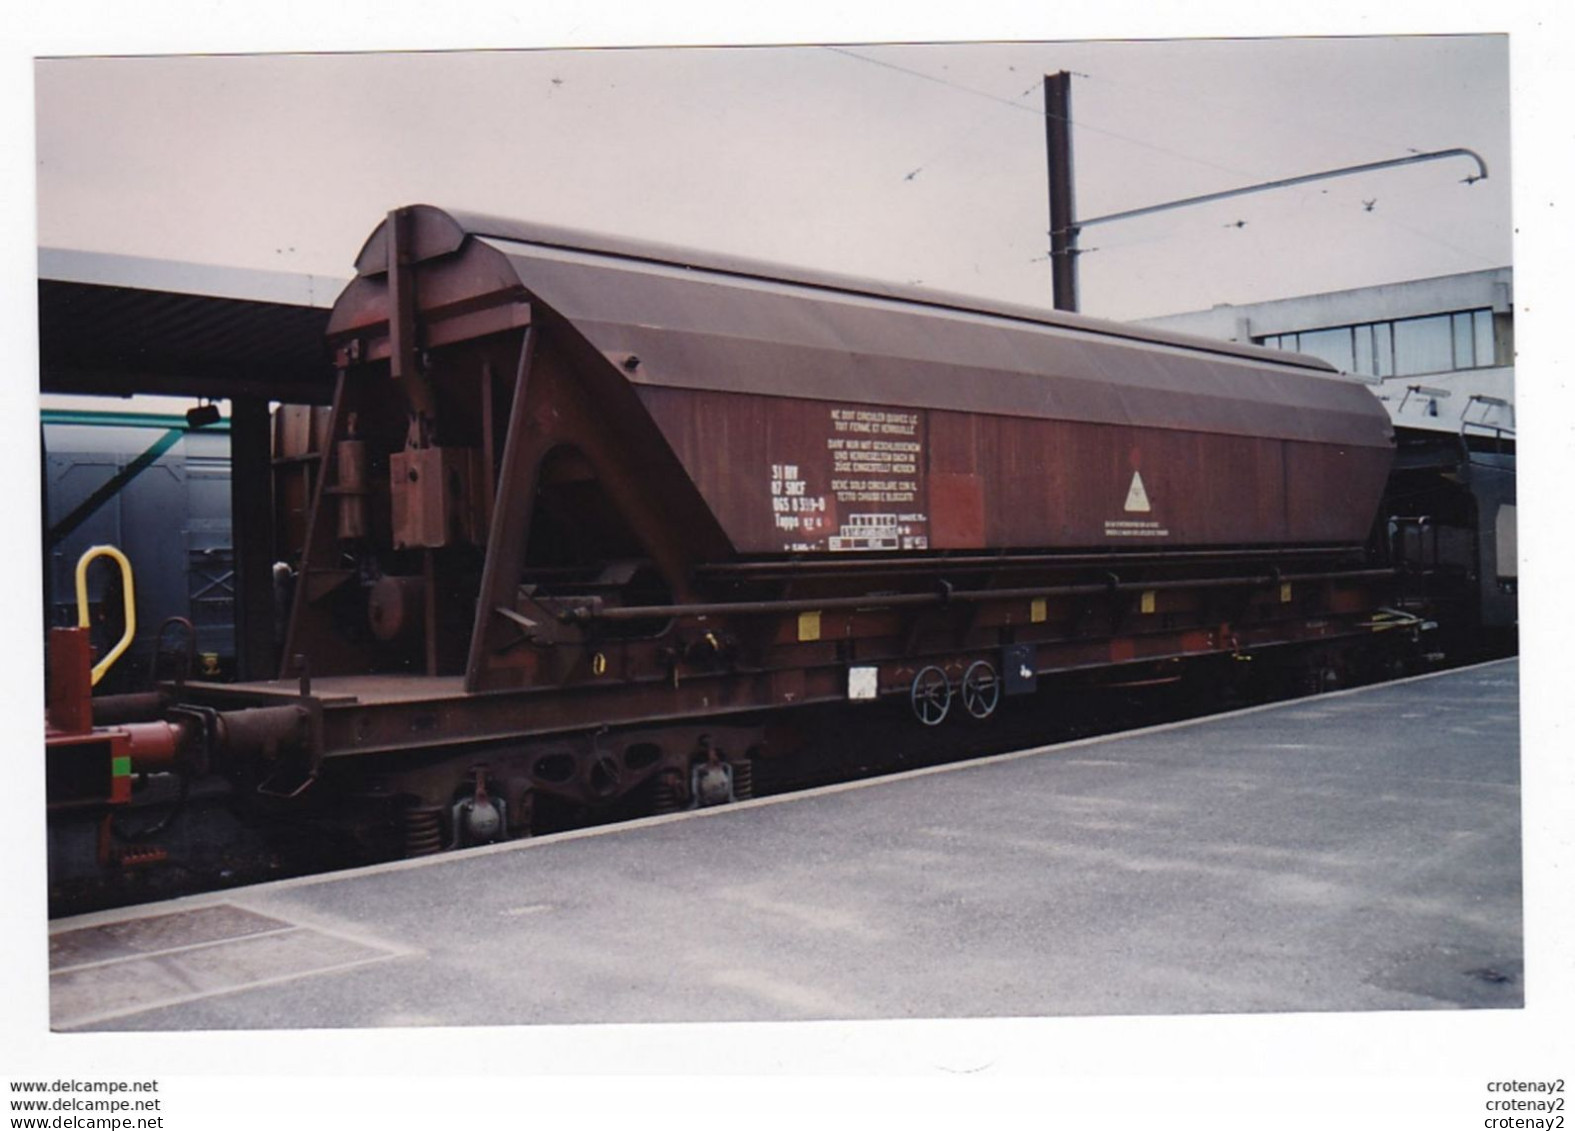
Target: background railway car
159, 490
1451, 514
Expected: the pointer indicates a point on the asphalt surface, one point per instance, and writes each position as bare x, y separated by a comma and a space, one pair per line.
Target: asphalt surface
1358, 851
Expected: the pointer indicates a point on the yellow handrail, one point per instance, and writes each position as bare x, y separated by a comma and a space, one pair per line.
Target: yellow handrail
130, 594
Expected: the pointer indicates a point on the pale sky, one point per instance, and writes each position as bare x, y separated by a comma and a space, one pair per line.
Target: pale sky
916, 164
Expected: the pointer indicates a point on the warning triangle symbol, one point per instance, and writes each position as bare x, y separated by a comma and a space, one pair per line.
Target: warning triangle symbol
1137, 498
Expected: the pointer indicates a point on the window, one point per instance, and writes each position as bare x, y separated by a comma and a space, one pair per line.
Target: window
1423, 345
1383, 350
1465, 351
1334, 346
1402, 347
1365, 362
1482, 333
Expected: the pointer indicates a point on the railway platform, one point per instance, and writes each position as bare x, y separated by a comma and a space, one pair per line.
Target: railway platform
1354, 851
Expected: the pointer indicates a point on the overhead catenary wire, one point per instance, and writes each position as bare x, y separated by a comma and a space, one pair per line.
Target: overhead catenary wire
1039, 112
1316, 196
1014, 103
1300, 122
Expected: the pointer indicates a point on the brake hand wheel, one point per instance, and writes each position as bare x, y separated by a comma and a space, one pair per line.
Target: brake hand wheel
981, 689
930, 696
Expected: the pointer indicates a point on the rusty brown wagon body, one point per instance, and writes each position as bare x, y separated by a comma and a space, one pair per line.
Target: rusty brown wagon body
591, 514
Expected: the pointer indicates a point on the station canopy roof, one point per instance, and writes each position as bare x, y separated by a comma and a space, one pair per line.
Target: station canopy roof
119, 325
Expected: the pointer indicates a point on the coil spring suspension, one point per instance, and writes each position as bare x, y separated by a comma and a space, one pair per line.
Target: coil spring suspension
743, 779
423, 829
667, 797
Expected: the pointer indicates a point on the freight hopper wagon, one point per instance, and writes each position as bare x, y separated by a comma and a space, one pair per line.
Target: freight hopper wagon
598, 521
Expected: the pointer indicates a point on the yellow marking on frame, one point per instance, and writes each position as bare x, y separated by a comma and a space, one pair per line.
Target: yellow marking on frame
1147, 603
808, 626
1285, 592
1037, 611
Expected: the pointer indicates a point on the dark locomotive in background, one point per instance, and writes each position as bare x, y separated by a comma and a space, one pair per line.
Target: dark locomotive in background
595, 528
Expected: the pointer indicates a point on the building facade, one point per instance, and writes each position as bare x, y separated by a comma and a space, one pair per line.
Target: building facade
1439, 352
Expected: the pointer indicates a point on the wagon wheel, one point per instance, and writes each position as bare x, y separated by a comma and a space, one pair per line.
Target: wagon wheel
981, 689
931, 696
